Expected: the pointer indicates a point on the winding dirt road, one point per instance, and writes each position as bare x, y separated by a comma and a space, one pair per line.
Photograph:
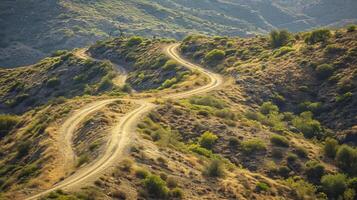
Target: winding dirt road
122, 134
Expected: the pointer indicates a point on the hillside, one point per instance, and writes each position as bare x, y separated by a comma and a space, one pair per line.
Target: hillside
30, 32
212, 117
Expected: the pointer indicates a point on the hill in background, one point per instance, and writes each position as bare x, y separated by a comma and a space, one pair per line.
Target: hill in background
31, 29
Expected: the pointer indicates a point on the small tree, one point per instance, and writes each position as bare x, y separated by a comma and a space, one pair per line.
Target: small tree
134, 41
331, 147
207, 139
279, 38
214, 169
307, 125
314, 171
156, 186
279, 140
346, 159
334, 185
324, 71
268, 107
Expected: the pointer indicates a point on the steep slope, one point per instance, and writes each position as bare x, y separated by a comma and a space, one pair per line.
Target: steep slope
30, 32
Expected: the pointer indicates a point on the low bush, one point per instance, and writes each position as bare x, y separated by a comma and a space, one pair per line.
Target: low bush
233, 142
334, 185
302, 189
268, 107
351, 28
200, 150
170, 65
314, 170
133, 41
333, 49
208, 101
215, 55
171, 182
207, 140
292, 158
301, 152
282, 51
279, 38
141, 173
214, 169
330, 147
346, 159
253, 146
7, 123
156, 186
279, 140
345, 97
324, 71
176, 193
225, 114
314, 107
262, 187
321, 35
307, 125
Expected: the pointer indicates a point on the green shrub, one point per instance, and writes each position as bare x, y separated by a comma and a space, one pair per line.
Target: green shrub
279, 140
268, 107
82, 160
214, 169
303, 190
225, 114
28, 171
207, 140
301, 152
200, 150
314, 170
321, 35
253, 146
170, 65
351, 28
346, 159
345, 97
215, 55
176, 193
314, 107
292, 158
133, 41
282, 51
330, 147
141, 173
333, 49
307, 125
53, 82
279, 38
168, 83
208, 101
233, 142
262, 187
156, 186
334, 185
324, 71
7, 123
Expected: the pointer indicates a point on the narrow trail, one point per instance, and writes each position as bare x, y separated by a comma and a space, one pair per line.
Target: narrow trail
122, 135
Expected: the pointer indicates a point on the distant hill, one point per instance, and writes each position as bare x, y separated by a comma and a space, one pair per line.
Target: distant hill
31, 29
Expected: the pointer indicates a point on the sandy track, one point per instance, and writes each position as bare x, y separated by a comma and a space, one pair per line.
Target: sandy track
122, 134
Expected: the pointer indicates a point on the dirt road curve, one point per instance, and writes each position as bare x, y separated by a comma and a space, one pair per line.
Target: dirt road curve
122, 134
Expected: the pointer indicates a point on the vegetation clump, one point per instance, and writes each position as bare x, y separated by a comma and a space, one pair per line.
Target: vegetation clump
215, 56
321, 35
279, 38
279, 140
253, 146
330, 147
214, 169
133, 41
324, 71
307, 125
334, 185
7, 123
156, 186
207, 139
